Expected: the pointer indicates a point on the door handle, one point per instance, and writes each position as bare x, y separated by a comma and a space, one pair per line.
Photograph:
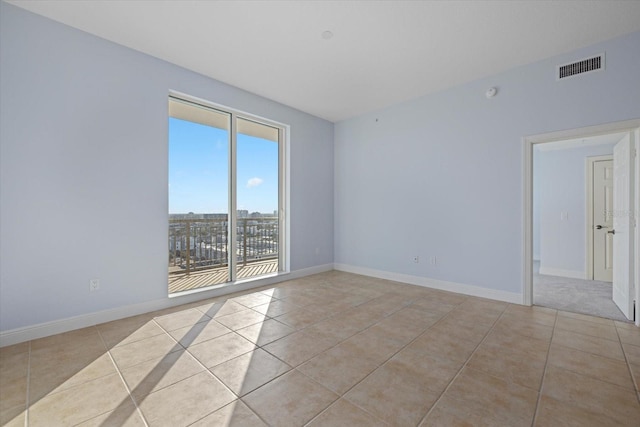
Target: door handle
612, 232
600, 227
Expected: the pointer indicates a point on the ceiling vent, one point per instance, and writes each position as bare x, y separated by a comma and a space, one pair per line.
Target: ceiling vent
587, 65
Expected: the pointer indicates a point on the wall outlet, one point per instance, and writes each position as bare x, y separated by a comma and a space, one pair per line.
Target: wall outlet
416, 259
433, 260
317, 251
94, 285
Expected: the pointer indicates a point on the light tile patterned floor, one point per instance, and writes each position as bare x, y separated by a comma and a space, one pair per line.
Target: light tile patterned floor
334, 349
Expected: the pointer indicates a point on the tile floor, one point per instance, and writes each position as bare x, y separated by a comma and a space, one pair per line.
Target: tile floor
334, 349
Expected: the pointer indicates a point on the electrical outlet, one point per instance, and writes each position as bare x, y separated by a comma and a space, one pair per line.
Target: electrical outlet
317, 251
416, 259
433, 260
94, 285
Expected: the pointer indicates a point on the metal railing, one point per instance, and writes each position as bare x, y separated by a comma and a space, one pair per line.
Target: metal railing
201, 244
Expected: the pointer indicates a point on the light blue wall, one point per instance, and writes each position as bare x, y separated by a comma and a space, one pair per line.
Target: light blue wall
559, 185
442, 175
84, 171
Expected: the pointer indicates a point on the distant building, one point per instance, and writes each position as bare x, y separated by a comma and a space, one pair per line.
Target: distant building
192, 215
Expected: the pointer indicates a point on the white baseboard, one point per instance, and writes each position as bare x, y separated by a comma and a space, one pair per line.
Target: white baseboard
477, 291
573, 274
27, 333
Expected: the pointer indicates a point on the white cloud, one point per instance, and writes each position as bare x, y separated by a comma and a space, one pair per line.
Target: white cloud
254, 182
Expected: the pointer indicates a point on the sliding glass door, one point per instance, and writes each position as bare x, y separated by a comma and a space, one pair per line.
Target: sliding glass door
225, 196
257, 197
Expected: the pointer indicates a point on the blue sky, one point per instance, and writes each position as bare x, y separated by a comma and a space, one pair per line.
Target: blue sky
198, 170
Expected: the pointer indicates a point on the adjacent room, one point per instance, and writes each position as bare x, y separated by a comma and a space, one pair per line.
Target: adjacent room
573, 224
319, 213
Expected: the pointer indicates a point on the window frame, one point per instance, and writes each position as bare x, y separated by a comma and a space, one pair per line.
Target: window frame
283, 188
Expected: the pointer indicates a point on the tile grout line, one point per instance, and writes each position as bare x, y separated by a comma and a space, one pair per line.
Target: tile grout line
589, 318
582, 332
341, 396
330, 317
386, 360
390, 357
240, 398
338, 399
544, 371
311, 379
343, 340
126, 386
464, 365
597, 355
293, 368
208, 370
186, 350
628, 363
53, 392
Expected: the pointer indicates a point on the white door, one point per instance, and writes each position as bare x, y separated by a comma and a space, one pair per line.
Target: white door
602, 222
623, 290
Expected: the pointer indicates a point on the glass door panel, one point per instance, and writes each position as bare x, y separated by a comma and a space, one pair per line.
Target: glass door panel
199, 142
257, 192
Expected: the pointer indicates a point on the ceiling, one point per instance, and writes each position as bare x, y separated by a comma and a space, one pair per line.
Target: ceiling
381, 52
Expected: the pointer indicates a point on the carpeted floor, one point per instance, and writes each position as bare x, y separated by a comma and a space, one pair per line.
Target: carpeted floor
576, 295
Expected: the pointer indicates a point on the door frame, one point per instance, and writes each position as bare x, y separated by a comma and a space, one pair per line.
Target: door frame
284, 188
527, 200
590, 161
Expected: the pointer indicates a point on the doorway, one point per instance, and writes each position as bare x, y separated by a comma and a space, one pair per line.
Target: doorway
563, 258
227, 196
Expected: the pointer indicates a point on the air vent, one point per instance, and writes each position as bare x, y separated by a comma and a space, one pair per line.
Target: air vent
587, 65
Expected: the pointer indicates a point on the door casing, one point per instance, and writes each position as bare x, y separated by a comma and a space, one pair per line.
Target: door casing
527, 202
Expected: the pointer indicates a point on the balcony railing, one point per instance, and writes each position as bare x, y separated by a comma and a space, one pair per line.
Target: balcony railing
201, 244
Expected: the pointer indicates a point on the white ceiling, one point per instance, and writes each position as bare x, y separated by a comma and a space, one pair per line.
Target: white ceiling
382, 52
